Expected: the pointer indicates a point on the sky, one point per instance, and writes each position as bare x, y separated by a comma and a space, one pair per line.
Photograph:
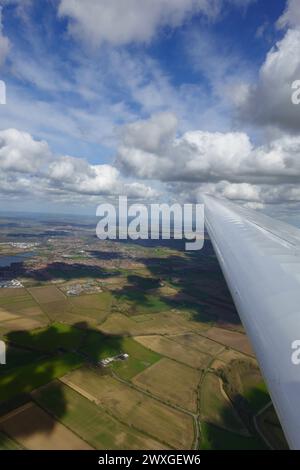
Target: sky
159, 100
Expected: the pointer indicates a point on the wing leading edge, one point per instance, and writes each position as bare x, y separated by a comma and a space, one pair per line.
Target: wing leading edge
260, 259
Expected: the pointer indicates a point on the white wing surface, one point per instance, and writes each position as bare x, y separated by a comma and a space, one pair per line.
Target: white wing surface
260, 259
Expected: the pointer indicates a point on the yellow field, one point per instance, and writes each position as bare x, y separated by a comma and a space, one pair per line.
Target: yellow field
91, 302
165, 291
165, 323
43, 295
5, 315
176, 351
232, 339
26, 324
86, 308
118, 324
172, 382
6, 292
31, 311
34, 429
133, 408
200, 343
228, 356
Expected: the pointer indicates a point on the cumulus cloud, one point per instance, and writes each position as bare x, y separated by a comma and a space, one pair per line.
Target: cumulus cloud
204, 156
268, 102
19, 152
291, 15
122, 22
28, 166
151, 135
228, 164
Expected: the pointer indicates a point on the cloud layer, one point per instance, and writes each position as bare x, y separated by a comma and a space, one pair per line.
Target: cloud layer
150, 149
28, 167
211, 157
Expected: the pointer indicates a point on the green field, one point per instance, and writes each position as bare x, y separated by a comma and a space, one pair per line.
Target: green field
244, 379
257, 397
139, 359
98, 346
16, 357
48, 339
136, 302
26, 378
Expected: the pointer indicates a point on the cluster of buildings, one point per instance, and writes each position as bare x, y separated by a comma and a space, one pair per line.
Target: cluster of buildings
109, 360
22, 245
12, 284
77, 289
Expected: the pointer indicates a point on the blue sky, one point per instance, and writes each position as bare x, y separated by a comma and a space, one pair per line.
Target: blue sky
50, 63
161, 98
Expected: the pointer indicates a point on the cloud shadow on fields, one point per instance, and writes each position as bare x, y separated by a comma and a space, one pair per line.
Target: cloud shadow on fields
197, 280
51, 353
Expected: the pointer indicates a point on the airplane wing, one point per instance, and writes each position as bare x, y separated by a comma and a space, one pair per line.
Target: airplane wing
260, 259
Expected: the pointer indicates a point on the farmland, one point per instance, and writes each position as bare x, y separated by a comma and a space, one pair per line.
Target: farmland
216, 407
170, 426
25, 378
171, 381
34, 429
122, 346
176, 351
216, 438
90, 422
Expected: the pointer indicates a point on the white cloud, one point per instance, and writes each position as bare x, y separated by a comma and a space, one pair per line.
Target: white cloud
19, 152
120, 22
77, 175
291, 15
226, 163
268, 102
28, 166
151, 135
83, 100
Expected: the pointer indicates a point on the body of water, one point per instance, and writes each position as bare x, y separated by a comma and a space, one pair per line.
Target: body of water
7, 261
